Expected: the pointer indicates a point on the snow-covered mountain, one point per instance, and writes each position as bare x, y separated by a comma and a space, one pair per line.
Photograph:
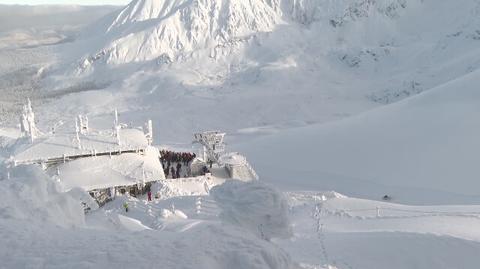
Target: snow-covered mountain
291, 62
148, 29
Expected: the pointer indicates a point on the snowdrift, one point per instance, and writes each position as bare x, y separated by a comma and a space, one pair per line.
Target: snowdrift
424, 149
253, 206
202, 246
31, 197
42, 227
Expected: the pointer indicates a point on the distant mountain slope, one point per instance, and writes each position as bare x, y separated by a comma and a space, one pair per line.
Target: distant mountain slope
423, 149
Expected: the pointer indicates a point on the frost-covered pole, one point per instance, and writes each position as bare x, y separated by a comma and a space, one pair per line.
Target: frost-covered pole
27, 122
85, 121
117, 135
115, 121
149, 134
83, 124
31, 130
116, 127
112, 192
77, 136
80, 120
31, 120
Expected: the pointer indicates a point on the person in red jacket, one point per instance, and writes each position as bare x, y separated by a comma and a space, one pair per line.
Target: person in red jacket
149, 194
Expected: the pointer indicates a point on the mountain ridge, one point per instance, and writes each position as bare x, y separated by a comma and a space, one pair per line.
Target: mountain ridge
148, 29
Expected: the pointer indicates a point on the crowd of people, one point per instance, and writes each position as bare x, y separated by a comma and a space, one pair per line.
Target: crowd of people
172, 162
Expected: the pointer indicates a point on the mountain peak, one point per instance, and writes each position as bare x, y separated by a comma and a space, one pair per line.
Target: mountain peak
143, 10
149, 29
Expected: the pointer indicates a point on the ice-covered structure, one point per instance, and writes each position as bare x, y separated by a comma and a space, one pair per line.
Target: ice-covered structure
27, 122
98, 161
238, 167
213, 150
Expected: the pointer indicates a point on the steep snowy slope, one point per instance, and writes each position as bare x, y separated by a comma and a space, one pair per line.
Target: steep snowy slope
421, 150
147, 29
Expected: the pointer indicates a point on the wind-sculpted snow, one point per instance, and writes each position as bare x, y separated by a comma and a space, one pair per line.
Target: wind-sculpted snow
42, 227
254, 206
30, 196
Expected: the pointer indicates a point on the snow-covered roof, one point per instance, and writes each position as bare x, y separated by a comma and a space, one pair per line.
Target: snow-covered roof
56, 145
233, 158
104, 171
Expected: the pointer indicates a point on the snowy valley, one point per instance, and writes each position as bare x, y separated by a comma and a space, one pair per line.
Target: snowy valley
348, 134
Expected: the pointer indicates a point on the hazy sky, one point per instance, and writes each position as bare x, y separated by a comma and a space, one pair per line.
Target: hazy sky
65, 2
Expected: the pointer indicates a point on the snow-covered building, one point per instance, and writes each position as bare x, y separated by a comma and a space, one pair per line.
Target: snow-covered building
238, 167
98, 164
123, 160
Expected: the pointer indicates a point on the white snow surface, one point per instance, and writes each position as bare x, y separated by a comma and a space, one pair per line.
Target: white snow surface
343, 232
420, 150
271, 74
255, 206
202, 185
45, 228
30, 197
